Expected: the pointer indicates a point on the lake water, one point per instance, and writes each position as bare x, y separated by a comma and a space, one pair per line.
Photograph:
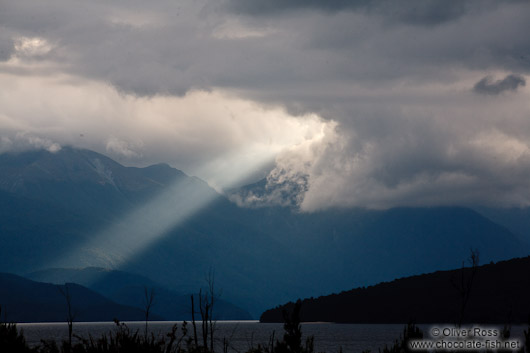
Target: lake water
243, 335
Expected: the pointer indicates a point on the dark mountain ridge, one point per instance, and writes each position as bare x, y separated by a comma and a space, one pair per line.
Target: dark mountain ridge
499, 293
23, 300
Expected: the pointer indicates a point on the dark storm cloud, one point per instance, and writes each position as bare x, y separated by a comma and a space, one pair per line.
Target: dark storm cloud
264, 7
424, 12
159, 49
489, 86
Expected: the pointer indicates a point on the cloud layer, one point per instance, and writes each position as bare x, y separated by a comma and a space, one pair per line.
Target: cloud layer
371, 103
218, 136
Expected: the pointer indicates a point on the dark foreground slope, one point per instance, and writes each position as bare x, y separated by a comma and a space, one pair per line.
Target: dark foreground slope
23, 300
499, 293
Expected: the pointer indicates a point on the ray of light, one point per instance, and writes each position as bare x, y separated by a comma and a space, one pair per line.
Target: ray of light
116, 244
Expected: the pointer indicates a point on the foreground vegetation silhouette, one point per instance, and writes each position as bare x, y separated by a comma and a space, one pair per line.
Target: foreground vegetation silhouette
178, 340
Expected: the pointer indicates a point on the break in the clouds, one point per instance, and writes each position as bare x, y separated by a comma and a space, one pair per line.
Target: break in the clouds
371, 103
488, 85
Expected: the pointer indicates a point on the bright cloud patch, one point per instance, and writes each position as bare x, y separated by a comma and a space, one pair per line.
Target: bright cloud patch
217, 136
27, 47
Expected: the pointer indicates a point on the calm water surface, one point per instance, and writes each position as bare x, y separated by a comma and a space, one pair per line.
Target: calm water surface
243, 335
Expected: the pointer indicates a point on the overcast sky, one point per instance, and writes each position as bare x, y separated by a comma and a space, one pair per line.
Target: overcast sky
371, 103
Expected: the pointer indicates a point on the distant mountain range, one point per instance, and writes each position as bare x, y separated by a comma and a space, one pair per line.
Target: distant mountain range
497, 293
23, 300
130, 289
77, 208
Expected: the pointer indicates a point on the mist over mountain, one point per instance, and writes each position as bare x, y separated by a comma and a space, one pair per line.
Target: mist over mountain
76, 208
